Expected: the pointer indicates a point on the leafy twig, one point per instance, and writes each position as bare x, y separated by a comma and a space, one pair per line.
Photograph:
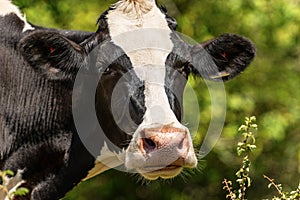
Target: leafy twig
243, 178
277, 187
10, 185
228, 188
243, 149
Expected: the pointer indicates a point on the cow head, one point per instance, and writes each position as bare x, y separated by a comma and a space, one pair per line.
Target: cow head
142, 65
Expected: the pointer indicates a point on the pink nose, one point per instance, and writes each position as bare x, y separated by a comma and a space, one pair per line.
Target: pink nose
164, 139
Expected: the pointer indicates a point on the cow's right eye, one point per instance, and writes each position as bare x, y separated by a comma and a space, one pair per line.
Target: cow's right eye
107, 71
185, 70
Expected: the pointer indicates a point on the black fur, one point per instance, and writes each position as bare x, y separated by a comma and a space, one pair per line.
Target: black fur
37, 132
224, 57
10, 30
53, 56
171, 21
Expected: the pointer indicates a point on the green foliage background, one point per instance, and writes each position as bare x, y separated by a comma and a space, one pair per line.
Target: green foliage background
268, 89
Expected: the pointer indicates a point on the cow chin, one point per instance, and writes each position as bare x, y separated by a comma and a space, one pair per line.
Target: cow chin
164, 173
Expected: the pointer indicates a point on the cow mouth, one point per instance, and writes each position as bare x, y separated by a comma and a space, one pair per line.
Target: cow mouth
160, 168
165, 172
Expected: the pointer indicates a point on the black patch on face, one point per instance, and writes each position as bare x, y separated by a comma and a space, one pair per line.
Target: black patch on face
123, 111
170, 20
117, 73
177, 72
103, 30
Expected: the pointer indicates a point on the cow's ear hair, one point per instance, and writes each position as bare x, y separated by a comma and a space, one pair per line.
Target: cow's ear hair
222, 58
52, 55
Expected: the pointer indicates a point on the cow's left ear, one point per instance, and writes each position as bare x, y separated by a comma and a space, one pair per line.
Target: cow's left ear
222, 58
52, 55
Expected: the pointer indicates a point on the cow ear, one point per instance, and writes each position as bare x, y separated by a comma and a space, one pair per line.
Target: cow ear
222, 58
52, 55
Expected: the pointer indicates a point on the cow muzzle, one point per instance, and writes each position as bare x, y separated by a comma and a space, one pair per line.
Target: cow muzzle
161, 151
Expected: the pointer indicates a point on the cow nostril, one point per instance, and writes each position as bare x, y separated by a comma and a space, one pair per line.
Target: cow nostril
148, 145
181, 144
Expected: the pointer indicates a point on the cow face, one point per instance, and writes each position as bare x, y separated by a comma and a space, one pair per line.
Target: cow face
142, 66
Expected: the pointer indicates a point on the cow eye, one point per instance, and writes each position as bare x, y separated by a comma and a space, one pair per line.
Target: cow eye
185, 70
107, 71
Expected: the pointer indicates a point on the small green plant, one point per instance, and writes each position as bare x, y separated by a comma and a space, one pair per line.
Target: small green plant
9, 185
243, 149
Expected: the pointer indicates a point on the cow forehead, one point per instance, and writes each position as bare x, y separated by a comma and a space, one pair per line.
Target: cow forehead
131, 15
142, 32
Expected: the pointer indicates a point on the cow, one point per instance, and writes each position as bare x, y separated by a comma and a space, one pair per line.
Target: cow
55, 83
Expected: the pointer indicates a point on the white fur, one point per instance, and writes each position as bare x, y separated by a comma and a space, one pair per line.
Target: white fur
7, 7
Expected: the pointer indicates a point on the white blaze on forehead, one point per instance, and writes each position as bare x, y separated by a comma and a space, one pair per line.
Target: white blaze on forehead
7, 7
141, 30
